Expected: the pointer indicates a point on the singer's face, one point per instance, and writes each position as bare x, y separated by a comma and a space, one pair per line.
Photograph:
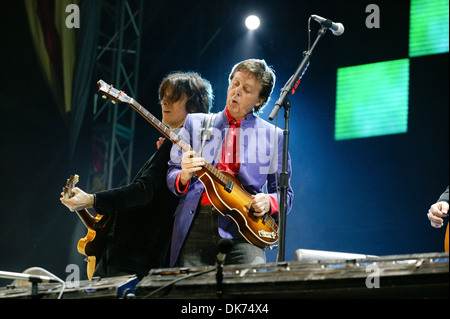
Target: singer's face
243, 94
173, 112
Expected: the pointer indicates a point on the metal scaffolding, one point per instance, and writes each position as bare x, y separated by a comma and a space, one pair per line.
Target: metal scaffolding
117, 63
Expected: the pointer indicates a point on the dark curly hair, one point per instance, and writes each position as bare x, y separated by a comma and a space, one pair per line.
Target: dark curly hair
198, 90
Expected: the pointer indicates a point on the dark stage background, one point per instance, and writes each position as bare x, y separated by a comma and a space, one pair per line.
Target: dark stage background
366, 196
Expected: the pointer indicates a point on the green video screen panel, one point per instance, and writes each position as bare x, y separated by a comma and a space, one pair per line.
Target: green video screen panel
372, 100
428, 28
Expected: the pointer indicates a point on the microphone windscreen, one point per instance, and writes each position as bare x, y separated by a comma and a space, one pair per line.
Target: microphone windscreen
224, 246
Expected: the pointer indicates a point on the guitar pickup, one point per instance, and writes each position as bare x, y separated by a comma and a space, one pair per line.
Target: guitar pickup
229, 186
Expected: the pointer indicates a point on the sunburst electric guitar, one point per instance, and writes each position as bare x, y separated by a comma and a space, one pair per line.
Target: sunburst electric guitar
93, 244
223, 189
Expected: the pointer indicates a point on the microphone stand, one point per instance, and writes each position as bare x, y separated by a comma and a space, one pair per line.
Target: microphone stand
219, 280
284, 102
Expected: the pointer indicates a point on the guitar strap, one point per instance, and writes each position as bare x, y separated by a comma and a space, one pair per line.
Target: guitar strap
207, 128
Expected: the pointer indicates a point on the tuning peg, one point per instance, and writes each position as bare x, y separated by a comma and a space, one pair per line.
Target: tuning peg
113, 102
103, 96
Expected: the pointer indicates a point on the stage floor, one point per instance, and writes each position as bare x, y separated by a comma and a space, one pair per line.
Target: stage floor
423, 276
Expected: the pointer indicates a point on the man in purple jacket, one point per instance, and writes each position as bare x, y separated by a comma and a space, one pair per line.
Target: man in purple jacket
241, 144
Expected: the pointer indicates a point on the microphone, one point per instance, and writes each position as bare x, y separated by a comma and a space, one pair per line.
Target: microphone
336, 28
224, 246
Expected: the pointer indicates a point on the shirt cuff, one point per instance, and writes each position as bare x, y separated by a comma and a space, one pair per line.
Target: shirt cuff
179, 187
273, 205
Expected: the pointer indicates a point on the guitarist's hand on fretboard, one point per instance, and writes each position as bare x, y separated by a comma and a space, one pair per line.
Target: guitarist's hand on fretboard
77, 199
190, 163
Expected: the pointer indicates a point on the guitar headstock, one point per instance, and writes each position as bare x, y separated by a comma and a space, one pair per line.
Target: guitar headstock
109, 91
71, 182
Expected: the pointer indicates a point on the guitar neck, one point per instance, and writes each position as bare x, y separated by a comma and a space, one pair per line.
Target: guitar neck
175, 139
159, 126
88, 220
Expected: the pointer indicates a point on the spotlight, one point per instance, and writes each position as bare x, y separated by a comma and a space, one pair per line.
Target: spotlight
252, 22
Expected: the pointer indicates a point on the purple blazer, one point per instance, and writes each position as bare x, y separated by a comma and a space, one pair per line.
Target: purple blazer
261, 155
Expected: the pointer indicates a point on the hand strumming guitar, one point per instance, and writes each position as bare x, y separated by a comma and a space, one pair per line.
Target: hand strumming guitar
260, 204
